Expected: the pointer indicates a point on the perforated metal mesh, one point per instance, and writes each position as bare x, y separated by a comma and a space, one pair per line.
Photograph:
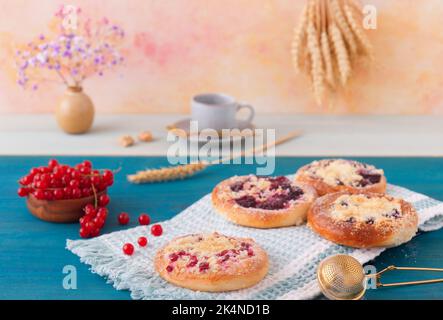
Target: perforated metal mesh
341, 277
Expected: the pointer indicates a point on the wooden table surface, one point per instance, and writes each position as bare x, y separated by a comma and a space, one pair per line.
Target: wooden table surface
322, 135
33, 252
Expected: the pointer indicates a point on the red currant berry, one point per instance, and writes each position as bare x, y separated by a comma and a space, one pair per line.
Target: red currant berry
95, 180
102, 213
84, 233
68, 192
95, 232
58, 174
156, 230
75, 174
83, 220
89, 209
76, 193
90, 225
103, 200
39, 194
44, 169
87, 164
142, 241
86, 192
66, 179
99, 222
74, 183
26, 180
123, 218
49, 195
41, 184
58, 194
102, 186
34, 171
128, 249
52, 163
23, 192
108, 175
144, 219
85, 170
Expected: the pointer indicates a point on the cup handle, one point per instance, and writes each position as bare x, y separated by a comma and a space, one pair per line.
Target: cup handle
244, 123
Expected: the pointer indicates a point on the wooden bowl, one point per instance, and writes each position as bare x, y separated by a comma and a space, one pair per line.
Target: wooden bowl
60, 211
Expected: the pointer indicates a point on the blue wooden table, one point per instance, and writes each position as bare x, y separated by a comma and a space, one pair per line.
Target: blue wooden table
33, 254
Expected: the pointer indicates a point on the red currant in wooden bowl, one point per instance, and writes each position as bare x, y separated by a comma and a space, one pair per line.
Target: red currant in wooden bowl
59, 193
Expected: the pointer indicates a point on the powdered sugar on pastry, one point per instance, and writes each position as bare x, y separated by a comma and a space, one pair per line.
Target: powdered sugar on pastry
352, 173
212, 262
365, 208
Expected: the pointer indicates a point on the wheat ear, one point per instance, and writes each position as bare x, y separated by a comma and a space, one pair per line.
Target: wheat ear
317, 72
167, 174
325, 47
298, 40
343, 25
326, 51
343, 63
358, 31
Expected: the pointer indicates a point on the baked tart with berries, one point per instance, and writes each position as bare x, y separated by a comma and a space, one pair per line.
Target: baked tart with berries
335, 175
263, 202
212, 262
363, 220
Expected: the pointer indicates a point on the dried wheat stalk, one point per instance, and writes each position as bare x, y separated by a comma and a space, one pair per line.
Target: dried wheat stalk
298, 41
327, 43
188, 170
167, 174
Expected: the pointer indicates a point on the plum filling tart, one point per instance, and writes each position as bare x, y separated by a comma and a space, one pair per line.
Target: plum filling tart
205, 253
367, 209
268, 193
340, 172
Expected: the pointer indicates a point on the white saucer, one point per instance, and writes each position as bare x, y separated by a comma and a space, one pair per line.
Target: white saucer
182, 129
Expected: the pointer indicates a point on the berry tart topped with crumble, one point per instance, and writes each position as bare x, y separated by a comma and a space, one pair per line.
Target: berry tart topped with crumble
212, 262
363, 220
334, 175
263, 202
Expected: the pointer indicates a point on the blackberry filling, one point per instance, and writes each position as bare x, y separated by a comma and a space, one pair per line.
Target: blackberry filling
246, 201
281, 182
393, 214
237, 186
368, 178
273, 203
276, 201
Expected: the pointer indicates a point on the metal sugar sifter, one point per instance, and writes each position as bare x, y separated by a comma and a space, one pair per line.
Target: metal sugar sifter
341, 277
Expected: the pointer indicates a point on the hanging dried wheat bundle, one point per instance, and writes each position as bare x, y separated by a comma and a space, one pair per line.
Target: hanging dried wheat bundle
327, 43
358, 31
298, 40
341, 22
341, 54
167, 174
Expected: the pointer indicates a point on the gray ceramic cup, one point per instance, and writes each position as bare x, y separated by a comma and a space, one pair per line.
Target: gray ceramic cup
219, 111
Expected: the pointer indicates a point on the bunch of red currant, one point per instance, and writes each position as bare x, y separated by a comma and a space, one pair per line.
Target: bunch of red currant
59, 182
95, 217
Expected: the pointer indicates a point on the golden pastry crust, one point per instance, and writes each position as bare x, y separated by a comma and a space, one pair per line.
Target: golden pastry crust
363, 220
271, 207
336, 175
212, 262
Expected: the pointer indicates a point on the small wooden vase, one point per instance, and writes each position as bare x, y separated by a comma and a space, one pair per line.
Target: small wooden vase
60, 211
75, 112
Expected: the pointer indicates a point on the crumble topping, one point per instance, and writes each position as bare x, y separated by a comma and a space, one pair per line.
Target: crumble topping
202, 253
365, 208
269, 193
345, 172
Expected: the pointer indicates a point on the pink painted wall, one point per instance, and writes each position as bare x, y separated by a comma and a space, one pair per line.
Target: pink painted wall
177, 48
